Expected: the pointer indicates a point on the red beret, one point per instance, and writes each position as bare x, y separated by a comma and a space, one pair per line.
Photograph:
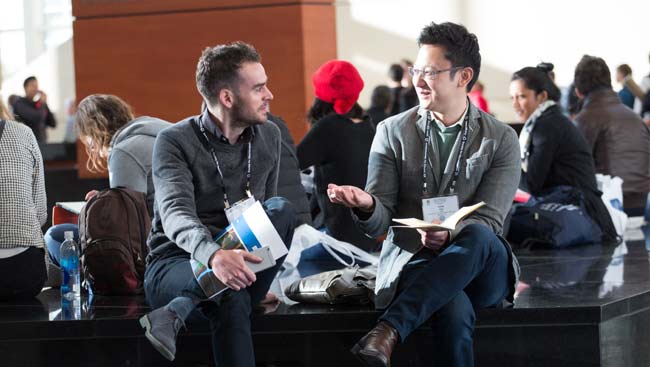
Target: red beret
338, 82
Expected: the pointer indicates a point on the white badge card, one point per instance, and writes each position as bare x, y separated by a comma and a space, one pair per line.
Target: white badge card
237, 209
439, 208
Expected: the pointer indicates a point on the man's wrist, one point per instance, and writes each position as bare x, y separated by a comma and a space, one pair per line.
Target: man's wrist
370, 209
209, 264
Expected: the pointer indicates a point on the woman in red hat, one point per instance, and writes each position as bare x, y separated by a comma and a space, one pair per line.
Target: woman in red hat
338, 145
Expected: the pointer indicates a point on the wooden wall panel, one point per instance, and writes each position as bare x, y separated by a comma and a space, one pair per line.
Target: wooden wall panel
102, 8
150, 59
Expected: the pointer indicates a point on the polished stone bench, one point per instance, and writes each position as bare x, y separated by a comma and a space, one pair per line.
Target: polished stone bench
587, 306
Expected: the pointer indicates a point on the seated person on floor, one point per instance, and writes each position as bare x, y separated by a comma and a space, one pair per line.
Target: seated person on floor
617, 138
447, 152
24, 211
201, 166
337, 145
109, 130
553, 151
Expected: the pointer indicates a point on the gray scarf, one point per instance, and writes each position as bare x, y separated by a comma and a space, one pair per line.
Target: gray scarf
524, 136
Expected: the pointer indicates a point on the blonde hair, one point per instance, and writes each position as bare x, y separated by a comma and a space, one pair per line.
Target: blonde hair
99, 117
4, 112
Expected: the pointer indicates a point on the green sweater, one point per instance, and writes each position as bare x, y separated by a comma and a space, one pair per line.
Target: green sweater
446, 137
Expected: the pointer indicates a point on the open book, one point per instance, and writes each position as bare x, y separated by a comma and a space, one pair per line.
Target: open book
253, 232
448, 225
72, 206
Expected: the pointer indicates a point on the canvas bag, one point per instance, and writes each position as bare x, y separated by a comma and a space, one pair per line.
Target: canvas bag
113, 230
306, 239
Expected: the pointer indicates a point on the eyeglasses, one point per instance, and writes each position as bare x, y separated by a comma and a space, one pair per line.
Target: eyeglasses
429, 73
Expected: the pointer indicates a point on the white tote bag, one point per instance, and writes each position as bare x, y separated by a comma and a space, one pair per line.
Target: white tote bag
306, 236
612, 188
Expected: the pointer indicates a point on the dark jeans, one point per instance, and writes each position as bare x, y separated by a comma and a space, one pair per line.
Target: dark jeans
22, 276
446, 290
54, 237
171, 276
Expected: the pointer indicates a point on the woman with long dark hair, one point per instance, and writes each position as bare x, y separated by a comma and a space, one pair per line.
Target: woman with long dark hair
553, 151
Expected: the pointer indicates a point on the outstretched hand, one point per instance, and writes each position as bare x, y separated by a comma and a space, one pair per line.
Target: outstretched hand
350, 196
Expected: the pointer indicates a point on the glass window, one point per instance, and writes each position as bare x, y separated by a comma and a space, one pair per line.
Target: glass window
12, 15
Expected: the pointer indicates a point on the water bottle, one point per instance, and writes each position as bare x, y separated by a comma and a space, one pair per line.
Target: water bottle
70, 287
70, 308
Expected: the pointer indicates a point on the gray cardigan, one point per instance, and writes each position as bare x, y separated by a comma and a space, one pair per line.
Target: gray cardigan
129, 161
490, 171
189, 208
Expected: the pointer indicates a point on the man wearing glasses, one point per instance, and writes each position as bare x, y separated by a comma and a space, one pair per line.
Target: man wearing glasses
426, 163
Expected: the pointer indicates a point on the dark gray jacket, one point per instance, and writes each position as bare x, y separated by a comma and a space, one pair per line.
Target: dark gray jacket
189, 208
289, 184
129, 160
490, 172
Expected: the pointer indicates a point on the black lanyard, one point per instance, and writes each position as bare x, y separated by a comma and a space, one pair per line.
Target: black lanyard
216, 163
427, 140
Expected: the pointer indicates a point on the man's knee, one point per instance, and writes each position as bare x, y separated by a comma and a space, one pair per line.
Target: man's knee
280, 207
478, 230
283, 215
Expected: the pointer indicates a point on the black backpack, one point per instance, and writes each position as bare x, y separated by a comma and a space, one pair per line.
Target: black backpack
113, 229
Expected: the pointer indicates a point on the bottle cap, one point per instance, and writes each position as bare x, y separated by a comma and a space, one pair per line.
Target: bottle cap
68, 235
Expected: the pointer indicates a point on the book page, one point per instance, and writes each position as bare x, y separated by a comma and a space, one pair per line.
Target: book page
448, 225
72, 206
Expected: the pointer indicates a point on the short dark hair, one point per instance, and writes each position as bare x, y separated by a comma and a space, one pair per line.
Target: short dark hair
461, 47
380, 97
538, 79
320, 109
395, 72
591, 74
218, 67
28, 80
624, 69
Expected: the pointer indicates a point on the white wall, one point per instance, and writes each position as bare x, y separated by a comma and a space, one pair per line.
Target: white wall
512, 34
54, 70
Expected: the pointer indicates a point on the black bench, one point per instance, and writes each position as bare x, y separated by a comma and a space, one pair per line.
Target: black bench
588, 306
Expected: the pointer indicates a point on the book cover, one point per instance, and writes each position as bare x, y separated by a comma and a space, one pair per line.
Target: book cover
253, 232
448, 225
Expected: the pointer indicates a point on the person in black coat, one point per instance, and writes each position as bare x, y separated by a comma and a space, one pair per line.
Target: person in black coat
554, 152
32, 110
338, 145
380, 103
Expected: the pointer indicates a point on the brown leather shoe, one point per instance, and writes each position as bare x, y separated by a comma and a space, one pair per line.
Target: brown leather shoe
375, 348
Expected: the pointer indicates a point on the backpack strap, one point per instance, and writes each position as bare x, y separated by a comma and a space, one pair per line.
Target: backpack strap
2, 126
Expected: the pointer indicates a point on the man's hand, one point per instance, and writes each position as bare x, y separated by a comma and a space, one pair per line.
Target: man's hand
230, 268
434, 240
350, 196
90, 194
43, 96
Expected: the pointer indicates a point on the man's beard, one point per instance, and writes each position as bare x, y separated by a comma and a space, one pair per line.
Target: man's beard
241, 120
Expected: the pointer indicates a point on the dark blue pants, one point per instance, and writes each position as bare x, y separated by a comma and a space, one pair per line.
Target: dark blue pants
54, 237
446, 290
228, 314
